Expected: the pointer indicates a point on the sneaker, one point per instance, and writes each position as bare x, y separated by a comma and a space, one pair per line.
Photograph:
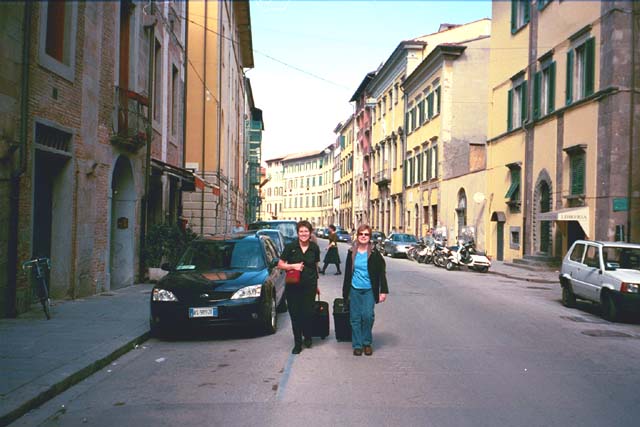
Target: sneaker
368, 351
357, 352
296, 350
307, 342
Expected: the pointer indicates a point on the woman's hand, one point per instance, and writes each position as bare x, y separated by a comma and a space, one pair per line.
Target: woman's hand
299, 266
383, 297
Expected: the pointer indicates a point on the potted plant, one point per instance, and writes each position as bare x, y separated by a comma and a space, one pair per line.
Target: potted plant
164, 243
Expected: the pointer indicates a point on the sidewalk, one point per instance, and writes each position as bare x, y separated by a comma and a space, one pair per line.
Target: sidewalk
40, 358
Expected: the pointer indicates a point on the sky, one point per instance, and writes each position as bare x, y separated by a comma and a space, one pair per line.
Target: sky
311, 56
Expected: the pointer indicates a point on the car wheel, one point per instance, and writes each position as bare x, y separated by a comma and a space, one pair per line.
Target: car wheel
449, 265
568, 297
609, 308
270, 317
483, 269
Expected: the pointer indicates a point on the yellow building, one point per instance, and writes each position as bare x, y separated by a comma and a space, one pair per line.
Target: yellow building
445, 157
219, 49
273, 190
346, 132
389, 207
304, 186
561, 140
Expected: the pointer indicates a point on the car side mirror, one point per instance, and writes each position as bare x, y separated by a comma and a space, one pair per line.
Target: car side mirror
166, 267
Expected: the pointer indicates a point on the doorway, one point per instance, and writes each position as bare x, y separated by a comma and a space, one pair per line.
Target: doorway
545, 226
123, 220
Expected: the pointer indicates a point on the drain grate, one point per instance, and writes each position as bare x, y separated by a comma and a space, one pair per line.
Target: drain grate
606, 333
542, 288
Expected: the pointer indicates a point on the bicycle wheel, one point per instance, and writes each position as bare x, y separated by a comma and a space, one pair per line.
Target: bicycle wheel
46, 307
43, 296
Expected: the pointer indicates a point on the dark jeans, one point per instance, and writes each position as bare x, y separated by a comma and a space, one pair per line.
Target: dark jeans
362, 315
300, 303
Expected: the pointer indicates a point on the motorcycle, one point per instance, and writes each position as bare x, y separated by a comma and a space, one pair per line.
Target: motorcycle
414, 250
425, 253
465, 255
440, 255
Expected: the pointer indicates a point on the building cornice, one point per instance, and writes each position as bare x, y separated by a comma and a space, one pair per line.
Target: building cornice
393, 66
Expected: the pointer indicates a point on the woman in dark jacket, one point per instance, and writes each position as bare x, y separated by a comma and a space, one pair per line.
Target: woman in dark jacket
365, 285
302, 255
332, 256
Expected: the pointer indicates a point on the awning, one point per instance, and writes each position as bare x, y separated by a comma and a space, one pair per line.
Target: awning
581, 215
184, 175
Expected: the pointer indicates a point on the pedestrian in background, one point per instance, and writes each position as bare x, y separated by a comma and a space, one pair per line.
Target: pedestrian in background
332, 256
239, 228
302, 255
364, 285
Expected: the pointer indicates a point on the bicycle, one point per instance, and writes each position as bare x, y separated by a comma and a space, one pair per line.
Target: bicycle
37, 266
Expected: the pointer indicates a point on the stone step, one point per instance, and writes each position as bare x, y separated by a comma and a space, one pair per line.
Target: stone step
538, 261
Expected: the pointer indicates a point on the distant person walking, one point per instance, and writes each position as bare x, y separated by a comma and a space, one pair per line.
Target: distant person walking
332, 256
239, 228
364, 285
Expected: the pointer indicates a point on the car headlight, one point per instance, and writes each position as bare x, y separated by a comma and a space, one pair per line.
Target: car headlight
163, 295
253, 291
630, 288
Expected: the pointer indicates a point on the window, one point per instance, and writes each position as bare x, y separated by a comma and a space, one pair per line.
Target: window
157, 81
519, 14
513, 193
413, 119
384, 105
421, 116
395, 91
576, 254
581, 71
437, 92
592, 257
57, 45
514, 238
430, 106
175, 102
516, 105
434, 162
544, 90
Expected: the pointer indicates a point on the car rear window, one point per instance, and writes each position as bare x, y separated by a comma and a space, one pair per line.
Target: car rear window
222, 255
621, 257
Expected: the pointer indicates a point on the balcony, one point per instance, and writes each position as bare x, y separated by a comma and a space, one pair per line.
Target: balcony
382, 178
131, 111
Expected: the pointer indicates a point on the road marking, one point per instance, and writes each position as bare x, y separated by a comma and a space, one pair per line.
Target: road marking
285, 377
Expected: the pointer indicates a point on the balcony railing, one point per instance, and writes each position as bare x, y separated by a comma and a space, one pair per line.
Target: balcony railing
382, 178
131, 114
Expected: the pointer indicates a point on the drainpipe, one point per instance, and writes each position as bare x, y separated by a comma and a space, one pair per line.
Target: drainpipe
219, 111
14, 192
204, 111
632, 110
184, 108
147, 170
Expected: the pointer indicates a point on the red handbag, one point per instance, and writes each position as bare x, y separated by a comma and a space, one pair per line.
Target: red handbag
292, 277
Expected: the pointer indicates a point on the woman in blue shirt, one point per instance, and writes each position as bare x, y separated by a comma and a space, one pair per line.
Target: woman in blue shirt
365, 285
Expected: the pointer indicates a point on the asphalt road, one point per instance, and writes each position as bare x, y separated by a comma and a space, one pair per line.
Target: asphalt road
450, 349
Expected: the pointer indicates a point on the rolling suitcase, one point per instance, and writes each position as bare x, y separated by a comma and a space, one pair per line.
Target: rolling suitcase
341, 320
320, 322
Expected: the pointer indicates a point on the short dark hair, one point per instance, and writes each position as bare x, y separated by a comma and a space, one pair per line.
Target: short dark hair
304, 223
333, 227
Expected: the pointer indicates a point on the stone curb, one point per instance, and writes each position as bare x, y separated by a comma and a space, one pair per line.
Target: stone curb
526, 279
69, 381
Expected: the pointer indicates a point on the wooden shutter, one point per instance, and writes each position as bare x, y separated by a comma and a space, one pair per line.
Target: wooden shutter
514, 16
551, 102
577, 173
510, 110
590, 57
524, 103
536, 94
569, 88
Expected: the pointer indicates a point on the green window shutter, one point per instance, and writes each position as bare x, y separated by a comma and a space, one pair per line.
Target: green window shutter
510, 110
569, 88
590, 51
438, 92
406, 121
577, 173
428, 153
435, 161
551, 102
527, 16
430, 105
536, 94
524, 102
514, 16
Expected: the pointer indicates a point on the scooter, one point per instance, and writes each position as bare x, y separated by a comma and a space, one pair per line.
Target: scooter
466, 255
440, 255
425, 253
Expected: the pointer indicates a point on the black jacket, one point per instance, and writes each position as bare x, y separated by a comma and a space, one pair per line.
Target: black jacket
377, 273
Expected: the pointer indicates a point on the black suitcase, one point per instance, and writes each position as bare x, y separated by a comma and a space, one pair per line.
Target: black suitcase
320, 323
341, 320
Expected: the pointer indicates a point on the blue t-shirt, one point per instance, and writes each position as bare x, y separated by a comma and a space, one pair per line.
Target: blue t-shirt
361, 278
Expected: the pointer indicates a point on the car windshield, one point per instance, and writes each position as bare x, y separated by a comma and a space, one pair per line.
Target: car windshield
616, 257
288, 229
222, 255
404, 238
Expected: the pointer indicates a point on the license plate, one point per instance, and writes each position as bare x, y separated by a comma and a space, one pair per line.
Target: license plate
203, 312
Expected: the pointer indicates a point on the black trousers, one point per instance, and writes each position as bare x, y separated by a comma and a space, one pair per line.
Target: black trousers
300, 304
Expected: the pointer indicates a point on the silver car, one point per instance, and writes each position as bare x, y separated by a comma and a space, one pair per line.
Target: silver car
603, 272
276, 236
398, 244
